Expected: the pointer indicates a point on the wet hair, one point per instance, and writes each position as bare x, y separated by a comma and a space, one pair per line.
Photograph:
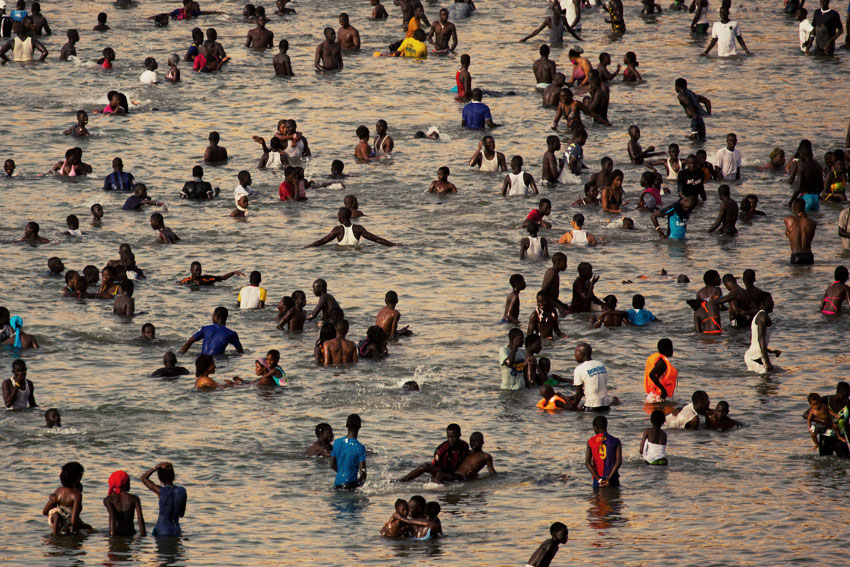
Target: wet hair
647, 179
400, 505
54, 264
214, 137
638, 301
681, 83
71, 474
544, 50
337, 166
710, 276
362, 132
221, 314
657, 418
410, 386
202, 363
515, 280
108, 53
515, 332
353, 421
169, 359
255, 278
841, 274
617, 173
578, 218
454, 427
101, 18
322, 428
432, 509
444, 170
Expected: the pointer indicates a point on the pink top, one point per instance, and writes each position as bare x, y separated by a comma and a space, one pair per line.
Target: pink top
106, 64
71, 173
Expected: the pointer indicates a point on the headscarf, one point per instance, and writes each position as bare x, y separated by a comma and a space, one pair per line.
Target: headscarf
17, 324
119, 482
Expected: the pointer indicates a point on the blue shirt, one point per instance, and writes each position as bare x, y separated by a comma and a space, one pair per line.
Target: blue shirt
118, 181
640, 317
18, 15
677, 220
216, 338
475, 114
172, 507
349, 453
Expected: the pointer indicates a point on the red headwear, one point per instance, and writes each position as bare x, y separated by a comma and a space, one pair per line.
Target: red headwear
119, 481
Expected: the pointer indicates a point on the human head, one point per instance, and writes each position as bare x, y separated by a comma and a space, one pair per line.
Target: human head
343, 214
544, 206
165, 473
443, 173
401, 507
255, 278
516, 164
657, 418
583, 352
320, 286
108, 53
634, 132
31, 229
585, 270
71, 474
219, 316
574, 53
212, 35
798, 206
324, 433
204, 365
665, 347
476, 440
578, 221
150, 64
214, 138
559, 261
517, 282
157, 221
724, 191
617, 178
631, 58
553, 143
842, 390
149, 332
453, 434
731, 141
533, 344
580, 136
638, 301
681, 84
101, 18
73, 36
416, 506
610, 301
544, 51
532, 229
477, 94
353, 423
337, 166
419, 35
52, 418
515, 336
169, 359
9, 167
600, 424
628, 224
559, 532
119, 482
362, 133
700, 401
56, 266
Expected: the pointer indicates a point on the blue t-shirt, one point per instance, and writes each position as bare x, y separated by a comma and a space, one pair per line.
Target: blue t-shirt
216, 338
18, 15
475, 114
640, 317
677, 220
349, 453
172, 507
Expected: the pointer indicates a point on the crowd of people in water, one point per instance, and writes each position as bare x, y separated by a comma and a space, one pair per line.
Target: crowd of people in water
673, 188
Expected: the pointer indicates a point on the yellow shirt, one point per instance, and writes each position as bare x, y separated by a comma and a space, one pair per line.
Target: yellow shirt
412, 48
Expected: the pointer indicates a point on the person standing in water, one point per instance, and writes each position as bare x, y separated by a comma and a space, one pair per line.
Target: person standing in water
556, 23
172, 499
800, 231
328, 53
348, 457
757, 356
123, 507
836, 294
348, 234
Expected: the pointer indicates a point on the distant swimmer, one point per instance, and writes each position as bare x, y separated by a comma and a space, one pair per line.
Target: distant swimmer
687, 98
323, 445
172, 499
800, 231
215, 337
447, 458
73, 165
486, 157
79, 129
442, 185
198, 278
31, 235
547, 550
204, 369
388, 317
677, 218
124, 304
349, 37
653, 442
215, 153
348, 234
281, 62
724, 34
557, 24
476, 114
578, 236
727, 215
378, 10
269, 371
604, 455
169, 367
23, 44
551, 285
339, 350
464, 79
328, 53
544, 68
757, 356
70, 48
552, 93
553, 401
533, 246
197, 189
836, 294
260, 37
292, 316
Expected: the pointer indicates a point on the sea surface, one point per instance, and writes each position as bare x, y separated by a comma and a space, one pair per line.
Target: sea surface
758, 495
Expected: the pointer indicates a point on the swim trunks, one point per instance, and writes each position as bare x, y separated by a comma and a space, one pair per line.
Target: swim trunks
802, 258
812, 201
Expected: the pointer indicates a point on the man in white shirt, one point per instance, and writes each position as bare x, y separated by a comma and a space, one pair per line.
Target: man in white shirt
687, 417
806, 29
591, 380
728, 160
252, 296
724, 34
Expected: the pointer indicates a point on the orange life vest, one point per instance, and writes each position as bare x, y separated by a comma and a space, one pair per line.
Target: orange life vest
549, 405
668, 379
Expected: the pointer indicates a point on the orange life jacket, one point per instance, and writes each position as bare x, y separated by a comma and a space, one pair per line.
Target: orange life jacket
668, 379
549, 405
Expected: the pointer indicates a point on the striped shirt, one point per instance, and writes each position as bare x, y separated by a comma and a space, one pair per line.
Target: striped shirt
118, 181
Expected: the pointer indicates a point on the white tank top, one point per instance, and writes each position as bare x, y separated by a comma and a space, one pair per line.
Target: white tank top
378, 147
518, 186
673, 174
572, 13
754, 352
579, 238
274, 162
22, 50
535, 248
653, 452
21, 398
294, 150
489, 164
348, 238
703, 16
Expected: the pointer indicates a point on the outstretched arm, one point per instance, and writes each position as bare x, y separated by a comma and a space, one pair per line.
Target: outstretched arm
537, 31
369, 236
324, 240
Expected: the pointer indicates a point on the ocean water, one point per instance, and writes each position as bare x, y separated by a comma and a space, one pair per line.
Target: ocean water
753, 496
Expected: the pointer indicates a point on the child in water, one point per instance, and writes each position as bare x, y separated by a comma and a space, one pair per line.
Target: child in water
604, 455
64, 505
638, 315
719, 418
397, 525
818, 419
442, 184
79, 130
73, 226
173, 74
108, 57
547, 550
631, 75
512, 301
610, 317
52, 419
653, 444
101, 23
70, 49
148, 76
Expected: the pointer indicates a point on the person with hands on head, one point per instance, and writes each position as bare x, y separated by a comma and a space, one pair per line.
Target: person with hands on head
486, 157
172, 499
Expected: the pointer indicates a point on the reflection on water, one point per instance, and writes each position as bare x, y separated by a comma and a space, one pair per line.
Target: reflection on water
606, 510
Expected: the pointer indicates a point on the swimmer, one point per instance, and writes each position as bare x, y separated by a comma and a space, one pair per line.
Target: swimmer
9, 168
363, 150
659, 375
742, 308
339, 350
653, 442
486, 157
583, 295
719, 31
603, 177
719, 418
533, 245
323, 444
348, 457
374, 345
118, 180
269, 371
476, 460
748, 209
638, 155
148, 76
727, 215
73, 226
590, 199
383, 144
612, 196
52, 419
378, 10
96, 214
66, 502
777, 161
442, 185
707, 316
578, 236
328, 53
55, 266
260, 37
398, 524
31, 235
349, 37
552, 400
148, 332
604, 74
604, 455
610, 316
544, 208
348, 234
325, 303
388, 317
293, 315
818, 418
79, 130
552, 93
101, 23
350, 201
639, 315
241, 210
551, 285
409, 386
631, 75
800, 231
215, 153
105, 62
628, 224
518, 182
544, 319
204, 368
124, 303
18, 391
464, 79
70, 48
547, 550
447, 458
677, 218
544, 68
615, 17
140, 197
836, 294
23, 44
533, 346
169, 367
511, 314
281, 62
198, 278
73, 165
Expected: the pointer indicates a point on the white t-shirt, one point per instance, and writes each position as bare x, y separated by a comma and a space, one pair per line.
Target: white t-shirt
250, 297
593, 375
725, 35
806, 30
148, 77
679, 420
728, 162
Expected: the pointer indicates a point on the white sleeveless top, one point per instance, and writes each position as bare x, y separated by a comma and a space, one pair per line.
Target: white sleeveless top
273, 161
489, 164
754, 352
572, 13
22, 50
348, 238
653, 452
294, 150
21, 398
535, 248
673, 175
579, 238
378, 147
518, 186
